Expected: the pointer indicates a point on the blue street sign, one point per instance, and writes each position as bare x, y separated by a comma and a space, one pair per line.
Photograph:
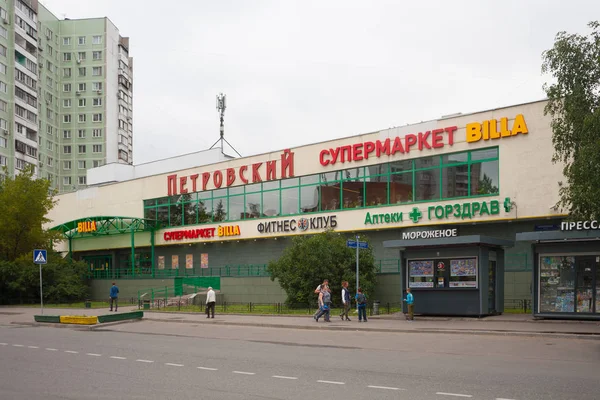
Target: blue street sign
40, 256
352, 244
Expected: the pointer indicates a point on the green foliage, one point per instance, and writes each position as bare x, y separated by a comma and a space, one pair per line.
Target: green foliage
24, 204
64, 280
312, 258
574, 100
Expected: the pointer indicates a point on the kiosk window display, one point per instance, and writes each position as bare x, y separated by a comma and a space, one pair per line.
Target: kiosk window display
443, 273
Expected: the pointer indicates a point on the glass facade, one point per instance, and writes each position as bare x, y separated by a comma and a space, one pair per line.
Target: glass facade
450, 176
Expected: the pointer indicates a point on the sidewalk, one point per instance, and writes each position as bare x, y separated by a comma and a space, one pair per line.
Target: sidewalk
498, 325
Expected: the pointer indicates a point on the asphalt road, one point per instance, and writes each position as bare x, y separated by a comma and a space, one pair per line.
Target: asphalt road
157, 360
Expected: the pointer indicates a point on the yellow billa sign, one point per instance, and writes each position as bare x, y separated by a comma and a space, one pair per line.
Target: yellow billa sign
88, 226
494, 129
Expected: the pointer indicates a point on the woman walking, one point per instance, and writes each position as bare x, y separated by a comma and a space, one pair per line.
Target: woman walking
324, 303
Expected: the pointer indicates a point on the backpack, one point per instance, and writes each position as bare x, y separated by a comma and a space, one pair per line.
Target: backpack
361, 298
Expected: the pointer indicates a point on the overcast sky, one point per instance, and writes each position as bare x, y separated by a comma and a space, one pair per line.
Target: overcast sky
300, 72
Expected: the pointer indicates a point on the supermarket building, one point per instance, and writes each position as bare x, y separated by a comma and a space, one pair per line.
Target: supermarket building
455, 208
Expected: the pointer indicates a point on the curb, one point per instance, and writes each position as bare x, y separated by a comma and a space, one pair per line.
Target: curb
550, 334
76, 326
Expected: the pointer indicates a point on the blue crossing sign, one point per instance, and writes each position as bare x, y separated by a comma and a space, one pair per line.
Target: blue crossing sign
352, 244
40, 256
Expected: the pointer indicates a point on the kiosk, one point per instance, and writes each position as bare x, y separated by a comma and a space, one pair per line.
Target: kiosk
457, 275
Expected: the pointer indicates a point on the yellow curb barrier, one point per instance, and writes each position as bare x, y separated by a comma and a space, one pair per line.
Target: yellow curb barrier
73, 319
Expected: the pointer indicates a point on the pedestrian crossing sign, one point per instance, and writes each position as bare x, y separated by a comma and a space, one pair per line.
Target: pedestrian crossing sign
40, 256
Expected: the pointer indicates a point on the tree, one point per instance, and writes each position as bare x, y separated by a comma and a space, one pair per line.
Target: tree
220, 214
573, 101
24, 204
312, 258
486, 186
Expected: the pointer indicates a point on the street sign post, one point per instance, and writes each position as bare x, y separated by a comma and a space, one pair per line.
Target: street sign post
357, 244
40, 257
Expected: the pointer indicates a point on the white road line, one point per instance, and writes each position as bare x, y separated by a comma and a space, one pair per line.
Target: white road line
501, 398
18, 345
284, 377
118, 358
454, 394
333, 382
244, 373
32, 347
71, 351
50, 349
385, 387
93, 354
174, 365
145, 361
208, 369
3, 344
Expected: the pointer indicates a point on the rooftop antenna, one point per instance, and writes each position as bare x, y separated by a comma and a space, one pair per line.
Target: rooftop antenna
221, 105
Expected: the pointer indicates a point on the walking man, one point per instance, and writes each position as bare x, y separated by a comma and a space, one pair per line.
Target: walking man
114, 296
211, 300
410, 303
318, 292
345, 301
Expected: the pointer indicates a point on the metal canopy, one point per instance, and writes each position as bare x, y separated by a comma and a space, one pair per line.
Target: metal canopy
450, 241
106, 226
553, 236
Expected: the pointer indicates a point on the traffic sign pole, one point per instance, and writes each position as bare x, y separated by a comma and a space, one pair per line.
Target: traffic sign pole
41, 292
40, 257
357, 286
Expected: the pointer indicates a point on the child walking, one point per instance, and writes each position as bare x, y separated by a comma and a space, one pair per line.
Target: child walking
361, 300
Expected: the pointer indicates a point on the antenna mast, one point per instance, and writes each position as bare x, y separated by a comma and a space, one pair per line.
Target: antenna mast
221, 106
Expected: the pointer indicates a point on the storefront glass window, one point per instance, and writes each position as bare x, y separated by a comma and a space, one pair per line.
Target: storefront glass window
427, 183
443, 273
420, 274
484, 178
449, 176
290, 200
557, 284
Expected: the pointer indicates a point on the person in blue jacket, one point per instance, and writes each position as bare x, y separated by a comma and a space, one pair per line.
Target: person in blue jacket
361, 301
410, 302
114, 296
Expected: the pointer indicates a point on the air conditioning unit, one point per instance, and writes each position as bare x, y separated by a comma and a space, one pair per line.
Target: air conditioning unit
4, 132
41, 66
78, 61
5, 20
99, 91
48, 37
78, 93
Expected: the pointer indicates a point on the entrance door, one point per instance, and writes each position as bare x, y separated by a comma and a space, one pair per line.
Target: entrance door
492, 287
585, 270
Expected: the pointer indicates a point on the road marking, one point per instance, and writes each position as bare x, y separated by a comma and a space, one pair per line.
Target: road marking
208, 369
244, 373
145, 361
3, 344
71, 351
385, 387
454, 394
174, 365
93, 354
500, 398
32, 347
118, 358
50, 349
333, 382
284, 377
18, 345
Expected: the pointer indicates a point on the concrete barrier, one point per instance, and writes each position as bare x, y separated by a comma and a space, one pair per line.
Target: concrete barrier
121, 316
47, 318
78, 320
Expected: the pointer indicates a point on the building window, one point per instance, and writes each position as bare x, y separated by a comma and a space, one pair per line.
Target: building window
50, 146
96, 86
3, 162
81, 164
66, 134
82, 180
81, 87
67, 72
97, 71
82, 71
82, 149
66, 41
3, 142
81, 40
96, 55
50, 162
81, 56
97, 117
97, 148
81, 102
96, 163
82, 118
2, 50
3, 87
2, 69
66, 87
67, 103
3, 105
3, 32
67, 165
97, 133
97, 39
66, 180
81, 133
67, 57
67, 149
67, 118
97, 101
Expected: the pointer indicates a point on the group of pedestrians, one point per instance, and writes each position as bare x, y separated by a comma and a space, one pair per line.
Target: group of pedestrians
324, 292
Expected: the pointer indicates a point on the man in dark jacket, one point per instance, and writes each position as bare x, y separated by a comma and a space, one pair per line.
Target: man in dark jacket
114, 296
345, 301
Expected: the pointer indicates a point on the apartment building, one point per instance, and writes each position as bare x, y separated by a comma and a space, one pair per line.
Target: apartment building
65, 94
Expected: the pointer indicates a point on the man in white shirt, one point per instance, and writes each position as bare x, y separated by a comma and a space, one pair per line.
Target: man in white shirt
211, 299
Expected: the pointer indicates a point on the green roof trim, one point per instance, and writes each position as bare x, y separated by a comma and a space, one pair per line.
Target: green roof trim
104, 225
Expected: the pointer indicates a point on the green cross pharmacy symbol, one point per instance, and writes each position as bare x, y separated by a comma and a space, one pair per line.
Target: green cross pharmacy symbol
507, 204
415, 215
